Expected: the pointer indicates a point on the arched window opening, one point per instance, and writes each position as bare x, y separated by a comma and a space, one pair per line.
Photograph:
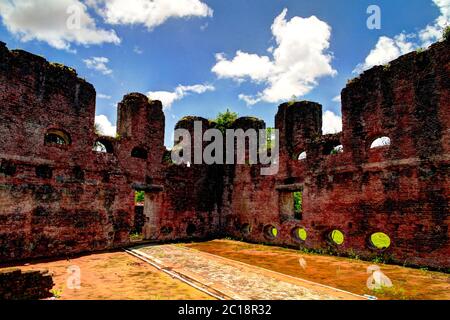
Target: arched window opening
139, 153
302, 156
103, 146
337, 150
381, 143
57, 137
332, 147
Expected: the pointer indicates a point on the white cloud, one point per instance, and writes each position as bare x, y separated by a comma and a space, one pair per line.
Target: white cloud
105, 126
388, 49
168, 98
103, 96
242, 66
249, 100
331, 123
298, 60
433, 32
150, 13
98, 64
337, 99
47, 20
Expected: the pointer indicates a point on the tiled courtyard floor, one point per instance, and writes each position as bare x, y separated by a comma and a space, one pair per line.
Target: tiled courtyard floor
234, 270
235, 279
343, 273
116, 276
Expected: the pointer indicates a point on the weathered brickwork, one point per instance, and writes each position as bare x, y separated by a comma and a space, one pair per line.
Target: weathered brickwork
58, 199
25, 285
62, 199
401, 190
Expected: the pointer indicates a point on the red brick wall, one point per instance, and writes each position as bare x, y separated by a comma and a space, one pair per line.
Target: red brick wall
401, 190
25, 285
189, 206
62, 200
58, 200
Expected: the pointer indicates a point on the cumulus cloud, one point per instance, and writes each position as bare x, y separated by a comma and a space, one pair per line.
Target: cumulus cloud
331, 123
150, 13
388, 49
169, 97
104, 126
298, 60
243, 65
52, 21
98, 64
433, 32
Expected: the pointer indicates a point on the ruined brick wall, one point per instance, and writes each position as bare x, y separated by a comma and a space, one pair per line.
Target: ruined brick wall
59, 199
63, 199
401, 190
188, 207
25, 285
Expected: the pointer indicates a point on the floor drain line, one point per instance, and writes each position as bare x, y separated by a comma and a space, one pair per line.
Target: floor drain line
178, 276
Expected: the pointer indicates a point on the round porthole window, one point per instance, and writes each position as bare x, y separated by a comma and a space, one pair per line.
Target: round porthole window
191, 229
246, 229
270, 232
380, 240
337, 237
299, 234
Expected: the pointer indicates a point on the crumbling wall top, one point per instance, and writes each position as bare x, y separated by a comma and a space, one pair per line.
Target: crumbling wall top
246, 123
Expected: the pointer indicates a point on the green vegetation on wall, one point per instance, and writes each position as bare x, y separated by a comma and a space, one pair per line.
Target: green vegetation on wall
298, 204
446, 34
139, 197
225, 120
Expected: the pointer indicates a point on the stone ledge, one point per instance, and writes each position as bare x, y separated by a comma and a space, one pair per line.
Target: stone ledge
147, 187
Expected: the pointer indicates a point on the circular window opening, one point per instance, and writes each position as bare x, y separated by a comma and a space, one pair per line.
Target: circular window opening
191, 229
246, 229
56, 137
270, 232
299, 234
380, 240
337, 237
166, 230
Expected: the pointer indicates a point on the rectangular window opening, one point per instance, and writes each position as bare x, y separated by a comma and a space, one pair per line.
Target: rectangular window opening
136, 234
298, 204
291, 201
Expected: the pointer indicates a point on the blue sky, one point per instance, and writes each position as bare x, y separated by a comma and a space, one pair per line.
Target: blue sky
172, 47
